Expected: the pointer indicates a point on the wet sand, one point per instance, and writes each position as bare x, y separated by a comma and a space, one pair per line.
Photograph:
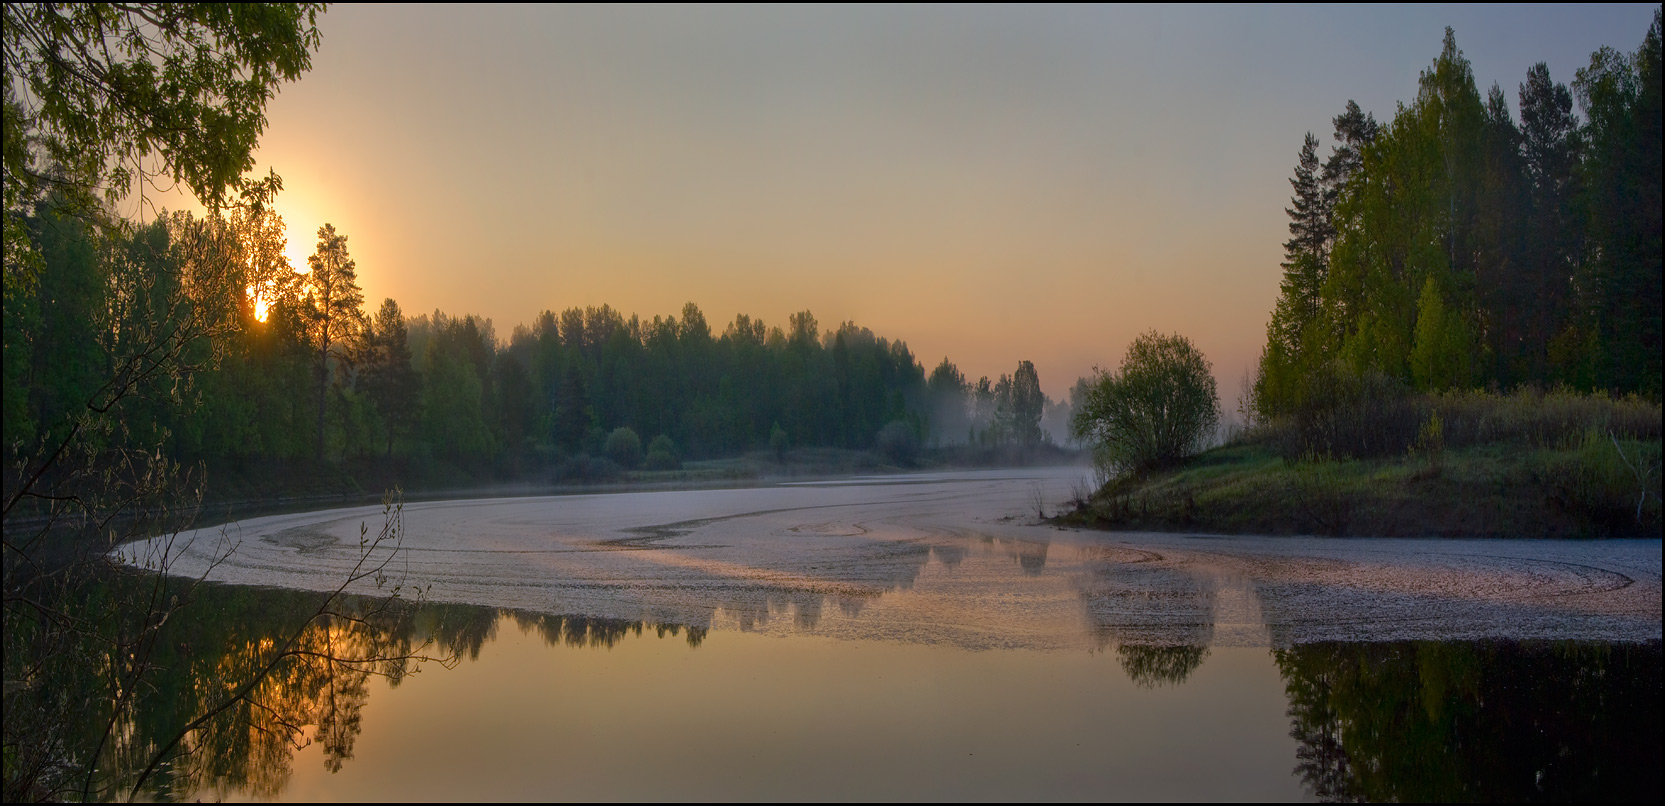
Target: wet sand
954, 558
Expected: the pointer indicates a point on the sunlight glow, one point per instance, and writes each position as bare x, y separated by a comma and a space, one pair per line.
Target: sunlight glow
298, 248
262, 302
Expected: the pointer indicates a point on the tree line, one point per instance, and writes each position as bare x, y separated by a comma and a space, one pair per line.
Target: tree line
297, 368
1456, 248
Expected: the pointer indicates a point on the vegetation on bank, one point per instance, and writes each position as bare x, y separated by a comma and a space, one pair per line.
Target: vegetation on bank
1447, 251
1457, 465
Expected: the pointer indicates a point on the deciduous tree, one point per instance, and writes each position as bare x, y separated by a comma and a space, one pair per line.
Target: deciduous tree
1158, 408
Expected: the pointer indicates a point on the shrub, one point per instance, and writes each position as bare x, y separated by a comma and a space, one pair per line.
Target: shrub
1614, 483
662, 455
1349, 416
582, 467
1160, 407
898, 442
624, 447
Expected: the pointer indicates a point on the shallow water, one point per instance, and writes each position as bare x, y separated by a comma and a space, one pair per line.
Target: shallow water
924, 637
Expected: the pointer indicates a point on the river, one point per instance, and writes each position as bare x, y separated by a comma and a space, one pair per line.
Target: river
929, 636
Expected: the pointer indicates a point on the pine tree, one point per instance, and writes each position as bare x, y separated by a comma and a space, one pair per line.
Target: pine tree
1549, 151
1355, 130
1306, 252
333, 309
1306, 257
386, 373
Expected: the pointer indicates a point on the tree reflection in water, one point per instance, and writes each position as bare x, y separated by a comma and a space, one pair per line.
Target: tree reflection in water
1156, 666
1517, 721
316, 694
315, 691
597, 633
1388, 721
1160, 620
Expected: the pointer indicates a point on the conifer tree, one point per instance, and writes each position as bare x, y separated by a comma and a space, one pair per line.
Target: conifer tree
1549, 154
334, 310
386, 373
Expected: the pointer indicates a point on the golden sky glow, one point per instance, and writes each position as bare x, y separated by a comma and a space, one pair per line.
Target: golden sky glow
990, 184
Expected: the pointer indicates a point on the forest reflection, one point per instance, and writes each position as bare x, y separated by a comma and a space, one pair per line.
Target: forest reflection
317, 692
1468, 721
1372, 721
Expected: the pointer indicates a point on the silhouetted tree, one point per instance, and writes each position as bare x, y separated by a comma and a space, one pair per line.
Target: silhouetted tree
333, 311
1027, 404
385, 371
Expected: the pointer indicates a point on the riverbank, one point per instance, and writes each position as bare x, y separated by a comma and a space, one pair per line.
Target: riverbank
1588, 487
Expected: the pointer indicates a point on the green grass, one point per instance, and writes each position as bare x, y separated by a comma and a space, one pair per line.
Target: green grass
1581, 487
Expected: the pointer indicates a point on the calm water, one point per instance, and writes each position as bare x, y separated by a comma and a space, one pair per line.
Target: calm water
541, 706
914, 640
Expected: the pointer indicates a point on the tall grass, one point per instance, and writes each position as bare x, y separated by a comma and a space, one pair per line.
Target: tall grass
1368, 418
1594, 457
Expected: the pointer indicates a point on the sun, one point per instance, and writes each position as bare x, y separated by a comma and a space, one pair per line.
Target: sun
297, 247
262, 303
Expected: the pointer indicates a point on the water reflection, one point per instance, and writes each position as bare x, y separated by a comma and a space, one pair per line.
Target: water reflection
1453, 721
1382, 721
316, 693
1156, 666
1160, 620
580, 632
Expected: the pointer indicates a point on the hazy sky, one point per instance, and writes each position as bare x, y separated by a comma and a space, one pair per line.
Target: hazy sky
991, 184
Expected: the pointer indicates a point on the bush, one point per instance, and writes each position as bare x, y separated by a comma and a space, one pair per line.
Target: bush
1611, 482
1159, 408
624, 447
898, 442
662, 455
1348, 416
584, 468
1344, 414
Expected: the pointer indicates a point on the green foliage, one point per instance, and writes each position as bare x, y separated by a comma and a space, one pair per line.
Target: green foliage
186, 83
1158, 408
1441, 355
662, 454
1373, 416
624, 447
1430, 721
451, 403
1471, 251
333, 309
117, 335
1613, 482
1025, 405
385, 372
1465, 464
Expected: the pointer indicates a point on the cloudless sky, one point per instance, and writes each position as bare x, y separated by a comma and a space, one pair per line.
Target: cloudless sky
990, 184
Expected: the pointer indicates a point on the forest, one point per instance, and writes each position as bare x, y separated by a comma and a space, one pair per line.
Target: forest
1454, 248
293, 366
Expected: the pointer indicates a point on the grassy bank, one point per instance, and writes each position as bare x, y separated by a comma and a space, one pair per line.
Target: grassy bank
1476, 466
